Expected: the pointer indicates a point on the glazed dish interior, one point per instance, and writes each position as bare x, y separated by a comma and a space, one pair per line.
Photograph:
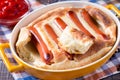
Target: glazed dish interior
67, 37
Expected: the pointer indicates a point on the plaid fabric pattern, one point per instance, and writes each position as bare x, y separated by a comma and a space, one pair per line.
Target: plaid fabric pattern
109, 68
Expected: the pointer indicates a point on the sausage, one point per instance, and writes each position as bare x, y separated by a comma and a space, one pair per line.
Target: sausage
51, 32
92, 24
75, 19
45, 54
60, 22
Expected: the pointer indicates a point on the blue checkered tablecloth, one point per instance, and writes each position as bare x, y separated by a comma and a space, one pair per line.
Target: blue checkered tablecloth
109, 68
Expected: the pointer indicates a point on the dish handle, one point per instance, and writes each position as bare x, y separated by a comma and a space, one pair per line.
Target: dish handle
11, 67
114, 8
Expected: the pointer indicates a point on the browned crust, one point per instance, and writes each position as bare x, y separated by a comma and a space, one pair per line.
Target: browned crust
100, 15
109, 25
